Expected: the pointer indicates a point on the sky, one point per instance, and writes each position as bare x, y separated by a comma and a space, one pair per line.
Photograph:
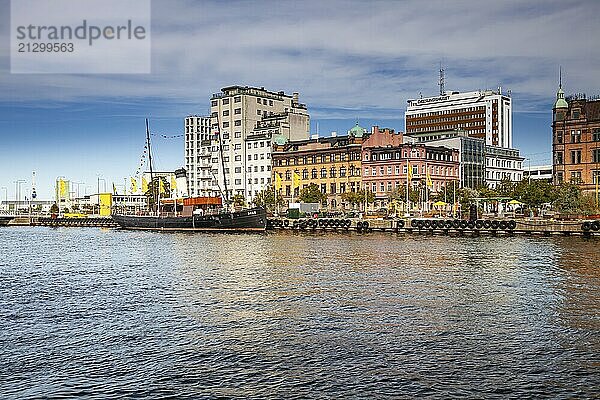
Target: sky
349, 60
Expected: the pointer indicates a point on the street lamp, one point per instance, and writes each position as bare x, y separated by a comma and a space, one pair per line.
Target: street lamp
5, 195
18, 193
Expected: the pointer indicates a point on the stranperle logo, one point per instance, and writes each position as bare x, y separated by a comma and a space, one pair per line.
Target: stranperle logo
80, 36
82, 32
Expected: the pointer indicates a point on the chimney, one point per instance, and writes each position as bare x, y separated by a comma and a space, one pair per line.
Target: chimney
295, 97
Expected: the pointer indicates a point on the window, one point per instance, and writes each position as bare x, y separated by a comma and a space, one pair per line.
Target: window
559, 136
397, 170
333, 188
237, 99
366, 171
342, 187
237, 146
249, 145
332, 173
558, 157
323, 173
576, 176
238, 122
225, 124
238, 181
596, 155
226, 135
304, 174
225, 113
381, 170
323, 188
258, 100
288, 175
213, 103
342, 172
238, 158
575, 156
258, 112
237, 111
237, 135
575, 136
238, 170
596, 135
313, 173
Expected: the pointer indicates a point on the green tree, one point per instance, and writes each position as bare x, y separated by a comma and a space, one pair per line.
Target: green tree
54, 208
568, 198
358, 198
268, 199
505, 188
312, 194
238, 200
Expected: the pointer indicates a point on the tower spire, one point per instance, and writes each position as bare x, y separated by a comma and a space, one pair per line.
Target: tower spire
560, 76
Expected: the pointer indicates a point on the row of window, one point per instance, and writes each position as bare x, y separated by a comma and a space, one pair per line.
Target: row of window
238, 99
575, 136
323, 158
448, 119
576, 156
333, 173
433, 170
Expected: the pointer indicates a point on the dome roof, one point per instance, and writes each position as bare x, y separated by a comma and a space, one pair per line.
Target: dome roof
560, 99
357, 131
280, 140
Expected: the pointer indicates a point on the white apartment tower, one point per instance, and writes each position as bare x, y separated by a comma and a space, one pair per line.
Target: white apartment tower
198, 156
482, 114
247, 119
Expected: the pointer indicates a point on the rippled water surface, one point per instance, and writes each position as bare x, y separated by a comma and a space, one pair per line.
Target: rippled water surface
109, 314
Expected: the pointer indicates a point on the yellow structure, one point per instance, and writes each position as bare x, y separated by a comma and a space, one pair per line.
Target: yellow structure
105, 200
332, 163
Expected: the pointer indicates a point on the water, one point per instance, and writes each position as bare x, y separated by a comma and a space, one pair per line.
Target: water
93, 313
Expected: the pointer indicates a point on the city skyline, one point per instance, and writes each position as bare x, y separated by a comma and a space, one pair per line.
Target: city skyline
360, 62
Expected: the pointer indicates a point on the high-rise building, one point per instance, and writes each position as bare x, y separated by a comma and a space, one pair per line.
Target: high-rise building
246, 120
576, 140
482, 114
198, 156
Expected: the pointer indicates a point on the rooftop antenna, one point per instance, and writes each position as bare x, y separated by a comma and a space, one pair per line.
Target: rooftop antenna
442, 80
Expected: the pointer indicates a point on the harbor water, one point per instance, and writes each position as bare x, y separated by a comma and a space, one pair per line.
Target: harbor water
106, 313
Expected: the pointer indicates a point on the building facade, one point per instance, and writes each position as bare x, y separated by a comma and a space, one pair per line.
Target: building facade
538, 172
198, 156
502, 164
332, 163
471, 154
386, 159
244, 121
481, 114
576, 140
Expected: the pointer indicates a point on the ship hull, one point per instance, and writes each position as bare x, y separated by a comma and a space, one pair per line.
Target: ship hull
252, 220
5, 220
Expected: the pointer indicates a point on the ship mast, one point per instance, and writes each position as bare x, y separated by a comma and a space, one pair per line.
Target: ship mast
150, 162
222, 163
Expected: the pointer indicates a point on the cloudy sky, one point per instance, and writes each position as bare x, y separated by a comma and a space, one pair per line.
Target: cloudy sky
347, 59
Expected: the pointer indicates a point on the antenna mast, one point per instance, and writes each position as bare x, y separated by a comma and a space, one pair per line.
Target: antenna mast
442, 80
150, 161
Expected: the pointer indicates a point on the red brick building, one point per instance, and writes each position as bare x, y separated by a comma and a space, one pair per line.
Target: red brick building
385, 160
576, 140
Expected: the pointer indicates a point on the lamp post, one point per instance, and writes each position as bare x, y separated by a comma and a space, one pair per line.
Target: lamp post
18, 193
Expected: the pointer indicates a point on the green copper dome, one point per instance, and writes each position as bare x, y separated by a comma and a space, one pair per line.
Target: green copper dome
280, 140
560, 99
357, 131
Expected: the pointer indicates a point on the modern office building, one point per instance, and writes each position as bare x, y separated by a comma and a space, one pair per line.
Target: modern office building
576, 140
481, 114
244, 121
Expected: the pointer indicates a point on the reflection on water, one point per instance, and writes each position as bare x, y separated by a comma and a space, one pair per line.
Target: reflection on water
108, 313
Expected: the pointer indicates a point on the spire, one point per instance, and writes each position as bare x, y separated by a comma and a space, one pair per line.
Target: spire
560, 76
560, 94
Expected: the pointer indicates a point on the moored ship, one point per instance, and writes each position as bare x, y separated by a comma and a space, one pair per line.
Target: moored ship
250, 220
4, 220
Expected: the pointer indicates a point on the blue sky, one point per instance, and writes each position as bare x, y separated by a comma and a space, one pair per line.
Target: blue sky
347, 59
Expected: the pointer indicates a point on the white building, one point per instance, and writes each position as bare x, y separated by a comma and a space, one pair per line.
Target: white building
538, 172
198, 156
482, 114
246, 119
501, 163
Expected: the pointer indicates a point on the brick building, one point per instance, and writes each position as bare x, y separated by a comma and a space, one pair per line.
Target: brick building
576, 140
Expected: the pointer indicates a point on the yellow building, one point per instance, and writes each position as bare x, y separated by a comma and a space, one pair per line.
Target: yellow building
332, 163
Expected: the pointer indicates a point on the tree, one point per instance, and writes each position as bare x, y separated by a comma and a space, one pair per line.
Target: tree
312, 194
505, 188
154, 189
238, 200
568, 199
268, 198
54, 208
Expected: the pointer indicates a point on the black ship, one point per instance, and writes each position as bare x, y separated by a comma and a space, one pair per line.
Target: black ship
250, 220
4, 220
209, 220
